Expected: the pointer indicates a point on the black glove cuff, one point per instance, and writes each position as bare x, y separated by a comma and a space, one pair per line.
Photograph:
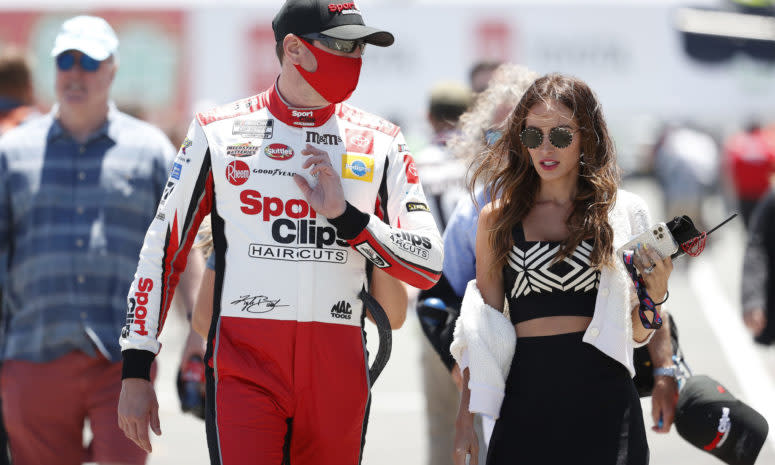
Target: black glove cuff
137, 364
350, 223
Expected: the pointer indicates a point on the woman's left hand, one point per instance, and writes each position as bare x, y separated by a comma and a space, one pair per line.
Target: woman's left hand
654, 270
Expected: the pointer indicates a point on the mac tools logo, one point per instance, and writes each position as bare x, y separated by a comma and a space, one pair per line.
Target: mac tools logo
342, 309
278, 152
237, 172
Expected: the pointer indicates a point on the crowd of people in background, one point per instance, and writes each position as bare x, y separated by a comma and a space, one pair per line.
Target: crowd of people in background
81, 182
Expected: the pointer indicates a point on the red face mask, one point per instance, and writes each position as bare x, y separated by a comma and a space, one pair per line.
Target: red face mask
336, 77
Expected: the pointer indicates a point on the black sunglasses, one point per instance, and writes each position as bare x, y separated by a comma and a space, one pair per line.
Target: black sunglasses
559, 136
66, 61
340, 45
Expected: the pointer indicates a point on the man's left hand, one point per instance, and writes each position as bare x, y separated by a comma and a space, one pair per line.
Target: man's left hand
327, 196
664, 398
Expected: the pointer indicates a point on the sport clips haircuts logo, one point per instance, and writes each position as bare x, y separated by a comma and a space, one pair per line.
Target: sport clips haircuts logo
416, 245
137, 311
296, 232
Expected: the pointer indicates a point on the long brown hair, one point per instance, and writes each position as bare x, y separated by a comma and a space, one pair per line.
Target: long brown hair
507, 173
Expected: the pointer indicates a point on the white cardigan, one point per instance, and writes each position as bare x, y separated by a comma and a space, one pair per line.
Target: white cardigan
485, 340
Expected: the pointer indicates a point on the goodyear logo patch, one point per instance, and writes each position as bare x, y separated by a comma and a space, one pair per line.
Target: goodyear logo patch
357, 167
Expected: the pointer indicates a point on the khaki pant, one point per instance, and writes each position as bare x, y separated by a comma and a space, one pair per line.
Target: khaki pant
441, 405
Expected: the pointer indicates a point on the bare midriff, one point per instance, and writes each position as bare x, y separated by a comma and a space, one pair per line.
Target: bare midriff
552, 325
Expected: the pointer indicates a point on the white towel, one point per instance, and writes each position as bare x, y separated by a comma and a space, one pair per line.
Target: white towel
484, 341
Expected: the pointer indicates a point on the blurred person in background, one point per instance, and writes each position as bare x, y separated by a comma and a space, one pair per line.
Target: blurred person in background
443, 177
78, 188
758, 284
749, 159
555, 178
686, 163
443, 181
304, 191
476, 128
481, 73
16, 92
16, 107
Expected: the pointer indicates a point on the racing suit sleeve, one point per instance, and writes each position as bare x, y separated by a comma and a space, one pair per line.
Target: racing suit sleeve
186, 199
402, 238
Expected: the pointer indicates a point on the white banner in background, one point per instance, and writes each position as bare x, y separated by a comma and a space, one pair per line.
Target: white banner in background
630, 55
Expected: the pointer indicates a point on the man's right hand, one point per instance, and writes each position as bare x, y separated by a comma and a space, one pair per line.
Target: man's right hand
137, 407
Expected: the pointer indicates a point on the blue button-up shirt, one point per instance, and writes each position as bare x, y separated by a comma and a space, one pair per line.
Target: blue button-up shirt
460, 242
72, 221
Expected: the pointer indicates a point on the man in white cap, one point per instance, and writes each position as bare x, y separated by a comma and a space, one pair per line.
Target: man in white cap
78, 187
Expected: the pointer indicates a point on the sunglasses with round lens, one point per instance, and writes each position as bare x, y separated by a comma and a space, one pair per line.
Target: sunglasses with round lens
559, 136
66, 61
340, 45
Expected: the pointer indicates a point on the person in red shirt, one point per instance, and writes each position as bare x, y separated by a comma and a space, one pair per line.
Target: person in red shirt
750, 159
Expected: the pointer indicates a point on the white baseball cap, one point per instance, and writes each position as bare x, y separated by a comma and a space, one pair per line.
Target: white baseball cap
88, 34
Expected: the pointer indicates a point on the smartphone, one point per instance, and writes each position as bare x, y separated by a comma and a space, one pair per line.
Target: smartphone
657, 237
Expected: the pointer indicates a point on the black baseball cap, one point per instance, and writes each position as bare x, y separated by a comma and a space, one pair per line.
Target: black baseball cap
712, 419
337, 19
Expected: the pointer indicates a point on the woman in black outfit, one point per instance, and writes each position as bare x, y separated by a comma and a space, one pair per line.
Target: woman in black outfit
547, 246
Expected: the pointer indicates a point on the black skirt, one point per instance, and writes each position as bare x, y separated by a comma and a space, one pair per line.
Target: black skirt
567, 402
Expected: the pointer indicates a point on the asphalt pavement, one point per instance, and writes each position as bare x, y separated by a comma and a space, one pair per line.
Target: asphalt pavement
704, 300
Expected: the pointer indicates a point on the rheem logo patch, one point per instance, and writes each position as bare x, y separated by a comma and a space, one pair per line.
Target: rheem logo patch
237, 172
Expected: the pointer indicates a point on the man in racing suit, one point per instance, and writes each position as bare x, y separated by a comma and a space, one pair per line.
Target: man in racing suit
304, 193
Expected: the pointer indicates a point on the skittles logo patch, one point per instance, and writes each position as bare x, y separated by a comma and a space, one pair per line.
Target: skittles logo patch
357, 167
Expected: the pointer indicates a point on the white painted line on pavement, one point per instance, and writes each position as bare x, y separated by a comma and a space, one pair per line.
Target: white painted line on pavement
736, 343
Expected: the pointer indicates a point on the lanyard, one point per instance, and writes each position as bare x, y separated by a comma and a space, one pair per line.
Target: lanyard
646, 303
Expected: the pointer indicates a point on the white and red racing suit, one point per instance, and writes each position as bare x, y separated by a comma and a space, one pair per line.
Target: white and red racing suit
286, 357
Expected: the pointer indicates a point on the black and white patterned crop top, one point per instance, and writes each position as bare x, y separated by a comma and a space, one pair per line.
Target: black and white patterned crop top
536, 287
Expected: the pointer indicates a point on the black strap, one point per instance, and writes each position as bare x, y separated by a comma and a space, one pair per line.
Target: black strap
385, 335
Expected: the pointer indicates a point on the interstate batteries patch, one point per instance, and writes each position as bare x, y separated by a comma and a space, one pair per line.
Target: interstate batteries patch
357, 167
242, 150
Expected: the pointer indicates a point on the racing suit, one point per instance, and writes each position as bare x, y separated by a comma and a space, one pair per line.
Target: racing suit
287, 370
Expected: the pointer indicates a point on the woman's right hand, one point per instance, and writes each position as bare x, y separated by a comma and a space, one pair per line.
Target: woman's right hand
466, 442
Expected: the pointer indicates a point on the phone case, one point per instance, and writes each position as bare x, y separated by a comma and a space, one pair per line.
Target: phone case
657, 237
